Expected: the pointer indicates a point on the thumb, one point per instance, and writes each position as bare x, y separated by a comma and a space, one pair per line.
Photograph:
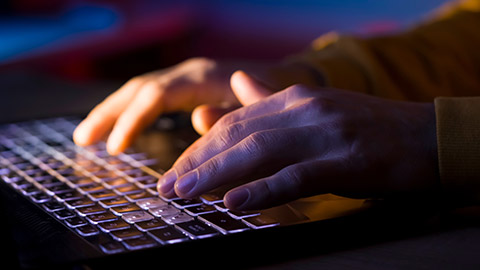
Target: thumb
247, 89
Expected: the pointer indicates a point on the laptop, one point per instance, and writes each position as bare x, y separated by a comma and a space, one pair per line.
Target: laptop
67, 206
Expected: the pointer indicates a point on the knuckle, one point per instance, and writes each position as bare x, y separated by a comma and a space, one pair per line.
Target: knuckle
256, 143
185, 165
230, 134
294, 175
298, 89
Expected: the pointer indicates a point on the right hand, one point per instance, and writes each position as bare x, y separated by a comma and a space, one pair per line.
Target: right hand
125, 113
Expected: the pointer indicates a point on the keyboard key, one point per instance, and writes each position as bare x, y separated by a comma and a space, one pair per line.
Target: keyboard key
168, 235
197, 229
120, 210
261, 221
101, 217
52, 206
68, 196
177, 218
117, 201
129, 189
182, 203
111, 247
147, 182
126, 234
242, 214
223, 222
102, 195
74, 222
140, 243
164, 210
211, 198
138, 196
200, 209
151, 225
87, 230
114, 225
89, 210
79, 203
117, 182
134, 217
40, 197
150, 203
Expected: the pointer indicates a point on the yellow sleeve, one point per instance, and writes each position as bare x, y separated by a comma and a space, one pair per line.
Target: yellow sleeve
438, 58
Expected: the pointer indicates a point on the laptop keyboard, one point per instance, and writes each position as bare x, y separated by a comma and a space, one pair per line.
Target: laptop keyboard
110, 201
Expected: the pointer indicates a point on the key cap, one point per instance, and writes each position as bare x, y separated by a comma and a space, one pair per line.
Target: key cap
101, 217
211, 198
130, 189
117, 201
63, 214
200, 209
52, 206
126, 234
147, 182
89, 210
79, 203
138, 216
261, 221
168, 235
87, 230
111, 247
242, 214
182, 203
151, 225
150, 203
74, 222
139, 243
117, 182
68, 196
138, 196
120, 210
164, 210
223, 222
40, 197
177, 218
102, 195
114, 225
197, 229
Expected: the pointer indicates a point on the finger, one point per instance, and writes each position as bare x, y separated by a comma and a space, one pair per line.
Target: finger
140, 113
247, 89
264, 150
102, 118
205, 116
269, 105
293, 182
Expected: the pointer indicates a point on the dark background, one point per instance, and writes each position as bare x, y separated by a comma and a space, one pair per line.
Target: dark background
64, 56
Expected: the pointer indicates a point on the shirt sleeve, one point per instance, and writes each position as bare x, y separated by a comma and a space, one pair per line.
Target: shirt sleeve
440, 57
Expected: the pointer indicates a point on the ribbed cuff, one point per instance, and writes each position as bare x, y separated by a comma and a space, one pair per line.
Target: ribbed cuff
458, 138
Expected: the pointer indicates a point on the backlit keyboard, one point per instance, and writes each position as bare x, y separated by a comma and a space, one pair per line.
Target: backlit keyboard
109, 200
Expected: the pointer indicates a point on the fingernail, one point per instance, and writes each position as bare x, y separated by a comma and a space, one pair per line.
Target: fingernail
236, 198
186, 183
167, 181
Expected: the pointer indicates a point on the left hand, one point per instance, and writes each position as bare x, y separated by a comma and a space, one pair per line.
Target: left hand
310, 141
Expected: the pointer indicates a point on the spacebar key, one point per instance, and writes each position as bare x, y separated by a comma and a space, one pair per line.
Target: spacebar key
223, 222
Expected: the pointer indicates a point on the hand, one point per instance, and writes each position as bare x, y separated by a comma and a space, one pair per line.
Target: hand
309, 141
198, 81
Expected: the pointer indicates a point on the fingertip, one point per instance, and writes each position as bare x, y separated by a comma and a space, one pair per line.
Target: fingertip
81, 135
205, 116
200, 120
